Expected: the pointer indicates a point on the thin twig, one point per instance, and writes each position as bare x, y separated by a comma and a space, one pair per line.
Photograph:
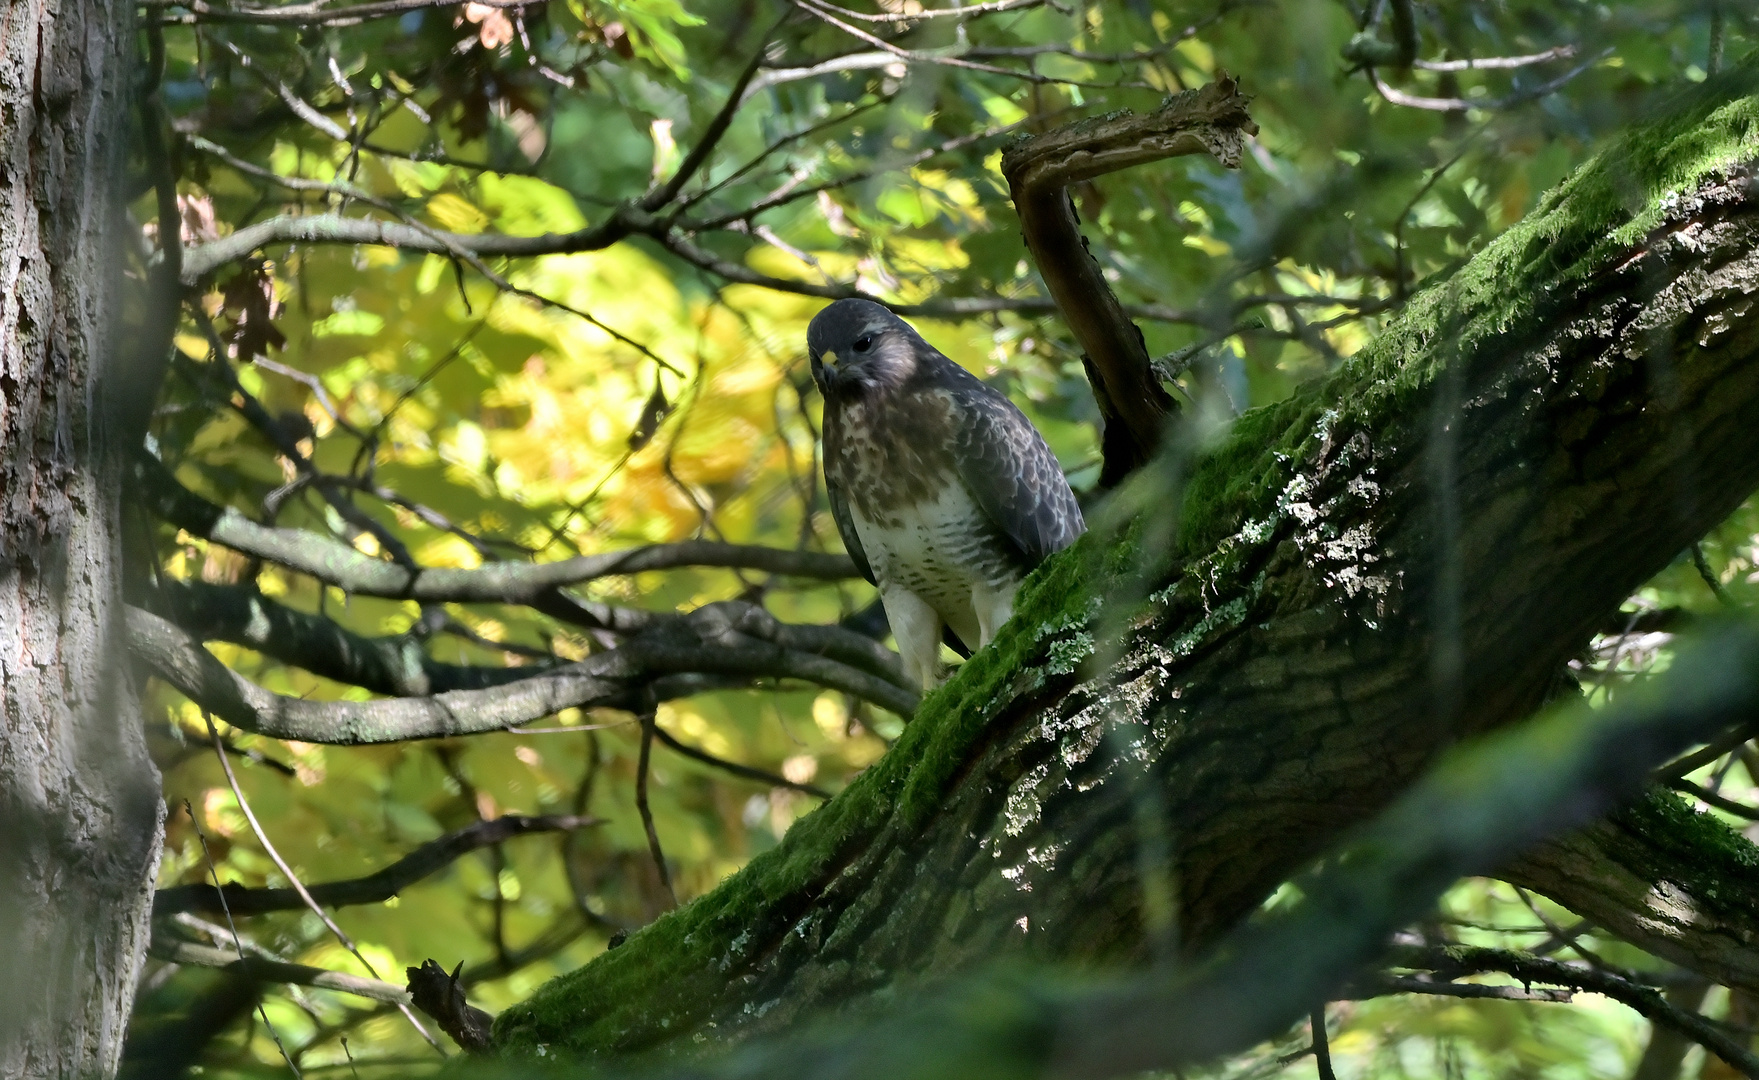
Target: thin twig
648, 726
287, 872
939, 13
1497, 63
310, 14
1702, 565
1321, 1044
374, 888
237, 941
746, 771
1456, 104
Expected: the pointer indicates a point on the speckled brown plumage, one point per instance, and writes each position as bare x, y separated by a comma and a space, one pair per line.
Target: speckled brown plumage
944, 493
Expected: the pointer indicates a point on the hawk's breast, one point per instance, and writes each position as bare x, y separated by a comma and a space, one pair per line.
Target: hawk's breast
919, 525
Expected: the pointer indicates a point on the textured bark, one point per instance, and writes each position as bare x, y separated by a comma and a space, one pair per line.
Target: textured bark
79, 802
1359, 577
1680, 884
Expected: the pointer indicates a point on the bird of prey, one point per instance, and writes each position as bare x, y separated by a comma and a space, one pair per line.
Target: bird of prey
944, 493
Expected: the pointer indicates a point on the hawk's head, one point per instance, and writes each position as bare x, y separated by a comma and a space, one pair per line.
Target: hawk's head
858, 347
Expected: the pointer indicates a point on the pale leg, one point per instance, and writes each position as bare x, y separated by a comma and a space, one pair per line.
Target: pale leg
993, 606
917, 629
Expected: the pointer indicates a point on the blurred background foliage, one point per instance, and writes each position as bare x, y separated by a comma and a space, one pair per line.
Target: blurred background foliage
658, 391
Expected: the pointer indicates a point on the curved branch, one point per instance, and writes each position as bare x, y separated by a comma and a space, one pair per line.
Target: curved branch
261, 969
1459, 104
335, 563
746, 771
430, 858
1131, 400
308, 14
396, 665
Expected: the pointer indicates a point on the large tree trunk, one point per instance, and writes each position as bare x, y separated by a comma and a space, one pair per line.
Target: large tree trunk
1398, 558
79, 801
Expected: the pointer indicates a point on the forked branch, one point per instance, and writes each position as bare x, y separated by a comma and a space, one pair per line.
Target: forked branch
1209, 120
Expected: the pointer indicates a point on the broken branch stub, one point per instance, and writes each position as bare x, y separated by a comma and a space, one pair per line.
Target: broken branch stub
1209, 120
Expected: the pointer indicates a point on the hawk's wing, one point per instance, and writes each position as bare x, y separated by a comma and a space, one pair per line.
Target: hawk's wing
846, 527
1010, 471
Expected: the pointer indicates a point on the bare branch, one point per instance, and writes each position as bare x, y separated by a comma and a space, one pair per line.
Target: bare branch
308, 14
1404, 984
938, 13
1716, 748
708, 644
828, 14
263, 970
335, 563
1211, 120
397, 665
1497, 63
430, 858
1457, 104
746, 771
199, 260
860, 61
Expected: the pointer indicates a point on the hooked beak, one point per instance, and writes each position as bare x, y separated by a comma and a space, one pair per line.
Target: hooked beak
826, 365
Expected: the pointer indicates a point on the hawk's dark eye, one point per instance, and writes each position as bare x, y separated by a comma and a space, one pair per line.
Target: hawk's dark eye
864, 343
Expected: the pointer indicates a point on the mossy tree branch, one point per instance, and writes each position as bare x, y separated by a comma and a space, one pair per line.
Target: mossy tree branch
1550, 426
1680, 884
1464, 816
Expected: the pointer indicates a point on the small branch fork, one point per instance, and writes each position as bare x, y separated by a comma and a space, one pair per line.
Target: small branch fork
1440, 966
708, 650
1210, 120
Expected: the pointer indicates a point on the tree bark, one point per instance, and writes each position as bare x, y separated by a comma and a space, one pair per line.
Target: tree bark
1187, 710
79, 801
1680, 884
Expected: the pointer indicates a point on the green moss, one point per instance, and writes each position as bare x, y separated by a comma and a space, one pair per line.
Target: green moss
633, 995
1597, 215
1703, 853
678, 960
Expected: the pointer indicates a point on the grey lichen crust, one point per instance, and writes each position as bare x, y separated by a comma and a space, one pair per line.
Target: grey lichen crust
1277, 520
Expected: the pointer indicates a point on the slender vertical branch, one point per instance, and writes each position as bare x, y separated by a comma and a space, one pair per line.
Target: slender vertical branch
647, 817
1713, 61
237, 941
1321, 1044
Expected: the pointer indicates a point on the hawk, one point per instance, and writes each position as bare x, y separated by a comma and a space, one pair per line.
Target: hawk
944, 493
